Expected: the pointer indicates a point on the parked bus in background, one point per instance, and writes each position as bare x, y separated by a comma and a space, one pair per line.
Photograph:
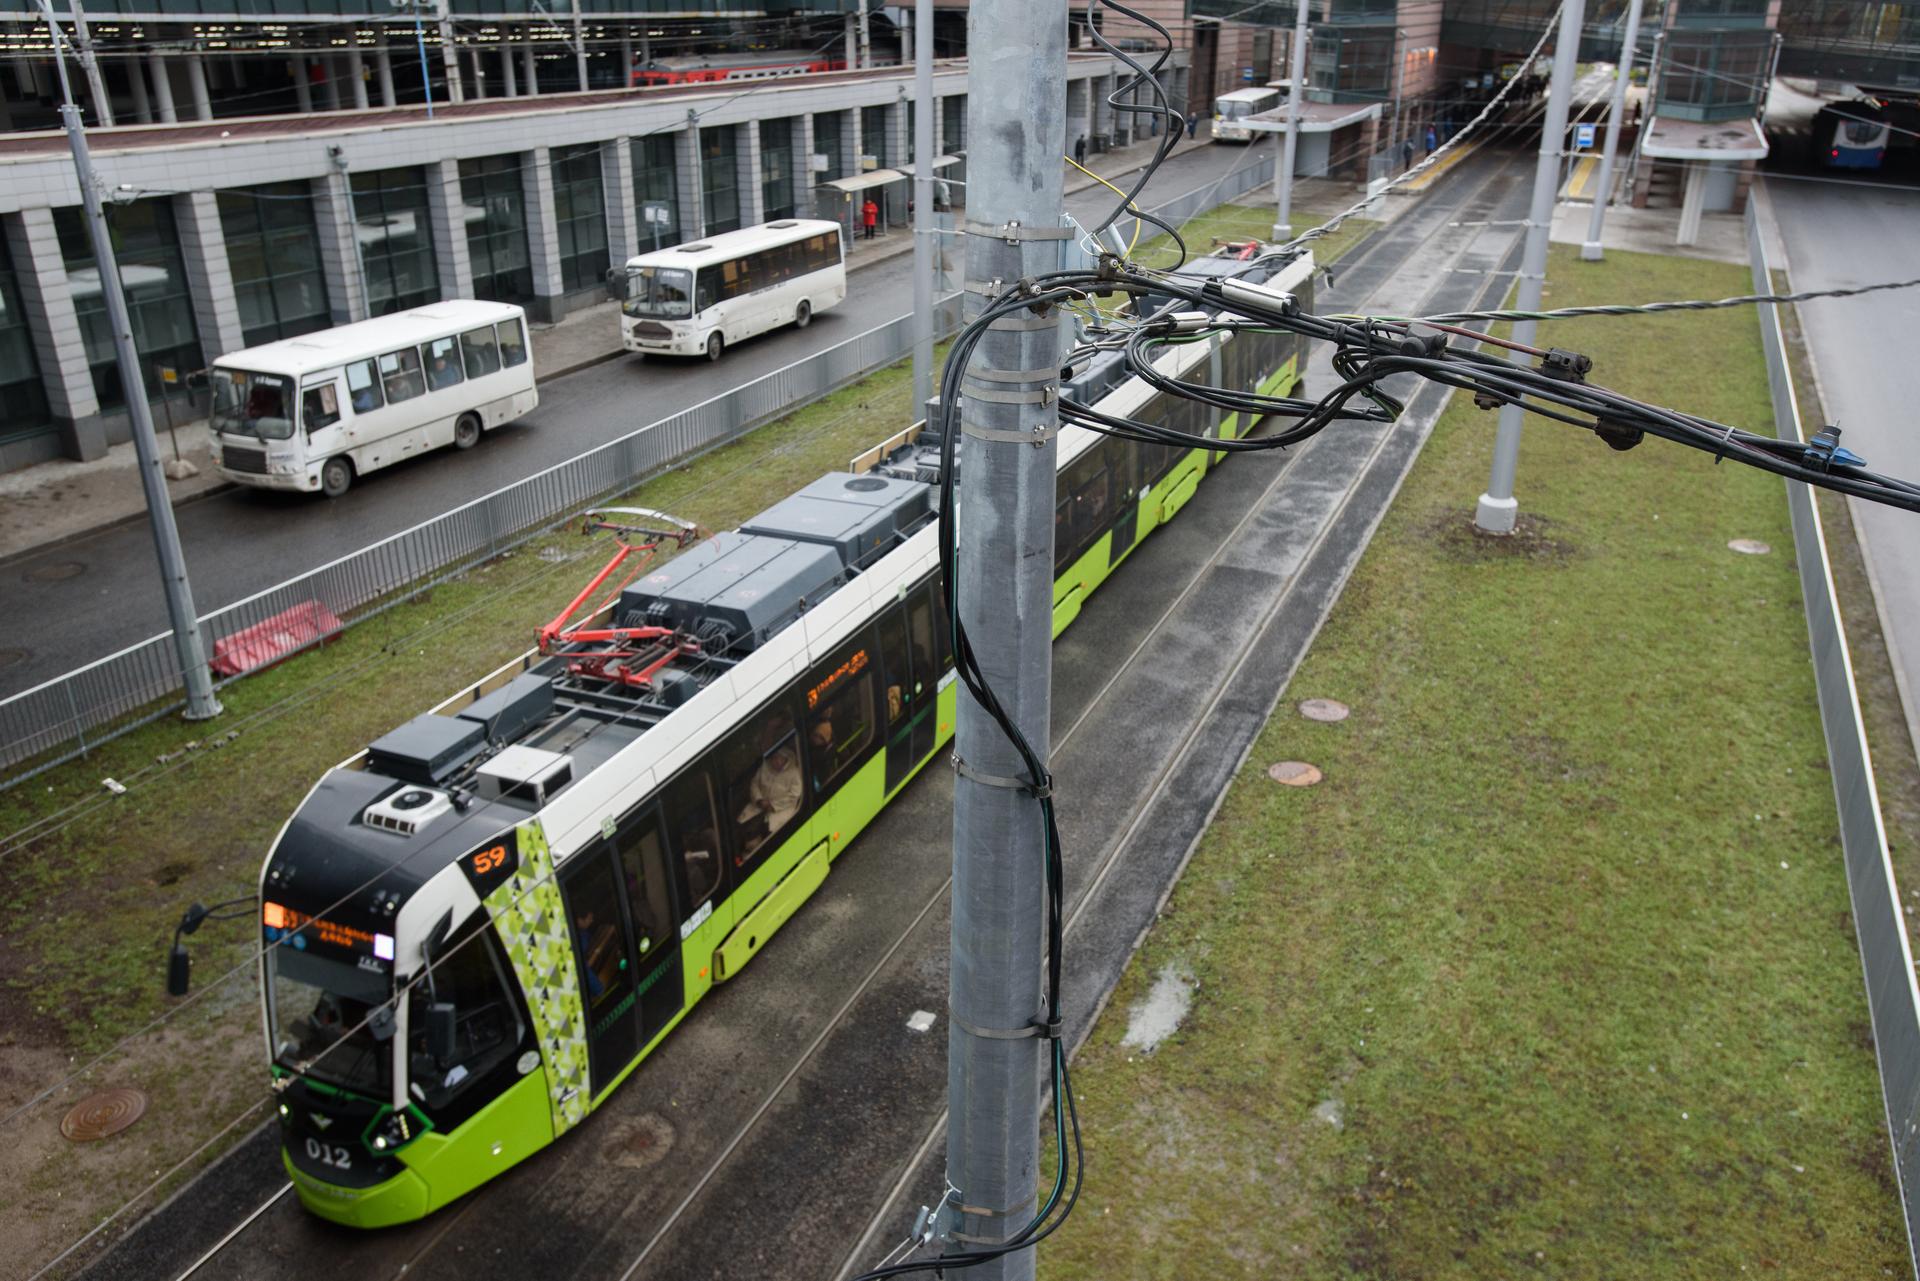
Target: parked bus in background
1238, 105
313, 412
699, 298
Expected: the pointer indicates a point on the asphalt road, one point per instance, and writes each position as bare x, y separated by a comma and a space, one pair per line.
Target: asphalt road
82, 600
770, 1134
1838, 235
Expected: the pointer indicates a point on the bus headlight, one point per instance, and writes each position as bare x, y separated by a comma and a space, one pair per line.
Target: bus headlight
284, 469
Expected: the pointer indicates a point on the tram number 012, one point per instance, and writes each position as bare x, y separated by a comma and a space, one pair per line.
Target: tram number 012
331, 1155
490, 866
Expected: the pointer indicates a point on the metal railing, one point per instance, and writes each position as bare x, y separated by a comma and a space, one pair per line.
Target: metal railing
73, 713
1886, 955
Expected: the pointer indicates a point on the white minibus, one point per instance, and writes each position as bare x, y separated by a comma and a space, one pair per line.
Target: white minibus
697, 299
313, 412
1238, 105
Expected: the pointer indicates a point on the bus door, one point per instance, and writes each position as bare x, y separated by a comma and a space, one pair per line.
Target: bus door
322, 415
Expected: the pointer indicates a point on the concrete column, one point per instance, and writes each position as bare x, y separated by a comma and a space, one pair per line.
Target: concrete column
626, 60
302, 87
137, 81
894, 203
509, 74
47, 297
1692, 204
543, 236
449, 217
383, 68
197, 87
162, 87
479, 73
693, 205
746, 154
853, 47
203, 248
529, 71
339, 251
803, 177
623, 214
330, 85
357, 77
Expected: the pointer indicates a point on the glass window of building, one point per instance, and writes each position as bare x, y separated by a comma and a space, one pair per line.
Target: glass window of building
147, 244
23, 401
1713, 75
828, 142
273, 251
1350, 64
580, 215
776, 168
873, 135
493, 192
394, 228
656, 191
720, 179
953, 124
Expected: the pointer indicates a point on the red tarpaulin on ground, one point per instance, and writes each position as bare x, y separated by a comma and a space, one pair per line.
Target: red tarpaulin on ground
273, 639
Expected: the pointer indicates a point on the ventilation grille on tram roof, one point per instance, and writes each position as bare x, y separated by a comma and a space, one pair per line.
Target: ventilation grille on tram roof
525, 774
733, 590
407, 810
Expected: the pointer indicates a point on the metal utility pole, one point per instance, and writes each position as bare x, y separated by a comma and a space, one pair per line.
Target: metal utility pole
449, 51
580, 48
1498, 509
1283, 178
924, 248
201, 703
1009, 410
96, 87
866, 46
1590, 251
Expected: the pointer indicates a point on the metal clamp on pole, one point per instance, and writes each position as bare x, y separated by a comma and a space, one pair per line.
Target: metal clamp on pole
1014, 233
1040, 792
1015, 323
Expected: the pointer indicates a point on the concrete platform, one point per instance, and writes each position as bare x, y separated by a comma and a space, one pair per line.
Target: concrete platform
1723, 237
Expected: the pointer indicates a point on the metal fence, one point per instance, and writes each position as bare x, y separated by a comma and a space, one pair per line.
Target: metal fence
1886, 955
73, 713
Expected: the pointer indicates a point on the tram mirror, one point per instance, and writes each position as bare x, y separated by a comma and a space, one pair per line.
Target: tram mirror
380, 1023
179, 966
441, 1032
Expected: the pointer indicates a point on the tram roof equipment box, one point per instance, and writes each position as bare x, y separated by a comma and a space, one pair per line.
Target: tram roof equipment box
861, 517
734, 588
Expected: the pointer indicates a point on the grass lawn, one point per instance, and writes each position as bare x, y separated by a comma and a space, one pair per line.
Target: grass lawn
1554, 973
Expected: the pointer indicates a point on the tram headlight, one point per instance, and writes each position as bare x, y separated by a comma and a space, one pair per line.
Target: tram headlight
395, 1130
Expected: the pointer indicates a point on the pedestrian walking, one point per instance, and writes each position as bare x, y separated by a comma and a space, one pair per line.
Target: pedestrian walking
1406, 153
870, 216
1193, 124
1080, 151
1433, 140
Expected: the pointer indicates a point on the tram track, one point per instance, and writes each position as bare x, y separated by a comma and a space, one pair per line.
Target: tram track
245, 1249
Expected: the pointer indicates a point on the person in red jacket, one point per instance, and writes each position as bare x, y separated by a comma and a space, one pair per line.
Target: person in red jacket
869, 216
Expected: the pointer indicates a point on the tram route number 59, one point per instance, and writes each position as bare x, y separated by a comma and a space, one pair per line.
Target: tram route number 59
329, 1154
490, 866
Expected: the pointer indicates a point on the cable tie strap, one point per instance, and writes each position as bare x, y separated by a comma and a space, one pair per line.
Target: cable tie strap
1013, 232
992, 375
1021, 322
1045, 396
1040, 792
1049, 1030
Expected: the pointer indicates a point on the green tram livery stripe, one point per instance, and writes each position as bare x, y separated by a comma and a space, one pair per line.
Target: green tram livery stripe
533, 925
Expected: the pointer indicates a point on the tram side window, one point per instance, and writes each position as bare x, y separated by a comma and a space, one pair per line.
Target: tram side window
695, 835
400, 373
593, 913
942, 626
765, 786
1086, 500
920, 641
643, 865
469, 976
893, 654
363, 388
840, 715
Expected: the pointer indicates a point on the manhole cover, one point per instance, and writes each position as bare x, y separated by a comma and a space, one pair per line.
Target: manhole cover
102, 1114
55, 571
1294, 773
641, 1142
1749, 547
1327, 710
14, 657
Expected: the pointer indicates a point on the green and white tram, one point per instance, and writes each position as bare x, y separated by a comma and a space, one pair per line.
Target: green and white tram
480, 924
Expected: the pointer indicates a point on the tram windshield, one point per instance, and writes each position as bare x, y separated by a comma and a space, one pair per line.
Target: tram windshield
318, 1008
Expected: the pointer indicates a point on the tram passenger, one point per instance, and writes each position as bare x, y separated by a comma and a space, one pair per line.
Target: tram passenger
774, 795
